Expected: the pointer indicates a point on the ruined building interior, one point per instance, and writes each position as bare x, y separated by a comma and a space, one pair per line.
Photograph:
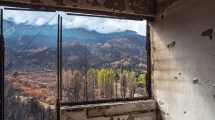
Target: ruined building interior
182, 57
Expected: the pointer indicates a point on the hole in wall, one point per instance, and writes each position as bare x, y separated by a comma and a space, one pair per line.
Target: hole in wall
162, 17
209, 33
195, 81
171, 45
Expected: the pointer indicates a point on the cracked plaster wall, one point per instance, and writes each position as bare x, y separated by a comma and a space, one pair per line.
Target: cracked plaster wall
183, 60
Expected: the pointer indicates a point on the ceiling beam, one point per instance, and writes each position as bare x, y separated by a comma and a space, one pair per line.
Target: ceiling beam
129, 9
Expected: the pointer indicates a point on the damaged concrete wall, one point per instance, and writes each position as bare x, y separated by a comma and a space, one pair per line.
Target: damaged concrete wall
183, 60
140, 8
138, 110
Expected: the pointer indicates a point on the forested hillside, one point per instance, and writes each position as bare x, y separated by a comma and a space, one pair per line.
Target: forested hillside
96, 66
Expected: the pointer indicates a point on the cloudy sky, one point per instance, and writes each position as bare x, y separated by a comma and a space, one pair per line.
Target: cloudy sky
101, 25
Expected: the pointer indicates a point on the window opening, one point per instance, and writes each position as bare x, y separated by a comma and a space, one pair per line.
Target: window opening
103, 60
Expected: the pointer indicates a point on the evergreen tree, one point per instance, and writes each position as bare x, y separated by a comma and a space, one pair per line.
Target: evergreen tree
117, 77
128, 68
121, 68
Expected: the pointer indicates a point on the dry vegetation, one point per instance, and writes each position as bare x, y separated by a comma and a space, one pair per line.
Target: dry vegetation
37, 84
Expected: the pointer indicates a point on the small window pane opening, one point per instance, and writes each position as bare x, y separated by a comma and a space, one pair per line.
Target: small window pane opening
105, 60
30, 65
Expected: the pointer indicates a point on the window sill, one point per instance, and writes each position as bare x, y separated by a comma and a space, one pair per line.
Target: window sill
120, 109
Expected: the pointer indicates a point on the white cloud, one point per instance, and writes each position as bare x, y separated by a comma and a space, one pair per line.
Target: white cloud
102, 25
40, 21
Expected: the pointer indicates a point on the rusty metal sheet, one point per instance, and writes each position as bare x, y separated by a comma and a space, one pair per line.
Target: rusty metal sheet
126, 8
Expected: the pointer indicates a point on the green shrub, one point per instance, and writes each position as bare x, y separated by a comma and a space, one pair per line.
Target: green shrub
141, 84
141, 81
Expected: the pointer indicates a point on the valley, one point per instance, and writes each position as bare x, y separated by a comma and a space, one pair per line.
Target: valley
96, 66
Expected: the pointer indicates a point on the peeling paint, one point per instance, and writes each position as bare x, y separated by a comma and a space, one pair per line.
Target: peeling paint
115, 5
139, 5
96, 3
59, 2
164, 5
132, 8
161, 103
209, 33
74, 1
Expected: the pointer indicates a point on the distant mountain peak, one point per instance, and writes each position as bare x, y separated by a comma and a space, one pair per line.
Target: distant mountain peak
81, 34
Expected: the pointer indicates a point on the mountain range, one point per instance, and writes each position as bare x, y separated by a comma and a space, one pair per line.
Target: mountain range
51, 31
102, 49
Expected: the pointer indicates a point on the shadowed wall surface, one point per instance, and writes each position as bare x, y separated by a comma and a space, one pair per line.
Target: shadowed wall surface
183, 56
